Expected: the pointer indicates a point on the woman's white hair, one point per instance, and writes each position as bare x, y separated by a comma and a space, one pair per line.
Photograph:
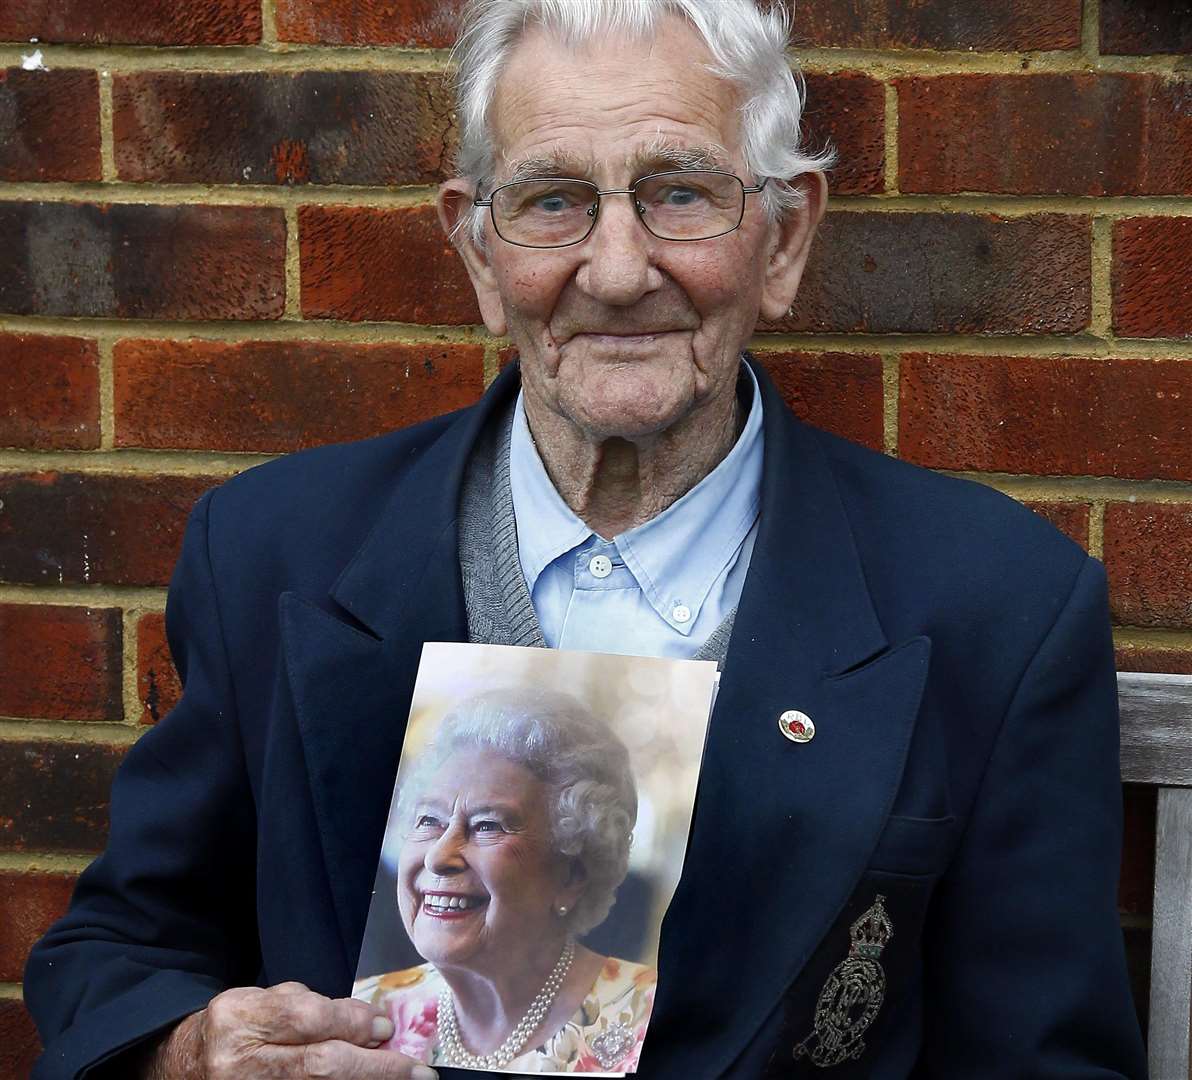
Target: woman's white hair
592, 802
747, 40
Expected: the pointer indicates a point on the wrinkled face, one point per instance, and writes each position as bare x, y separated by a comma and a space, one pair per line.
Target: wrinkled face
623, 334
478, 880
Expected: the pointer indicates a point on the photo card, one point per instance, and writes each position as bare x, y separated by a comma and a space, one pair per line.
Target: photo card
536, 835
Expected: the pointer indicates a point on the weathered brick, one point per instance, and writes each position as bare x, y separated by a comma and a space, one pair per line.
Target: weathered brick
1107, 134
1137, 27
60, 663
877, 272
49, 392
362, 264
1154, 658
1152, 268
133, 22
1148, 556
938, 24
29, 903
427, 23
54, 795
1071, 518
319, 127
839, 392
157, 680
848, 109
142, 262
1136, 884
1048, 415
75, 529
49, 125
19, 1045
270, 396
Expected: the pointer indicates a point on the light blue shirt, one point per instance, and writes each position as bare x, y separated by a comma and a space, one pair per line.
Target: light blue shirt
657, 590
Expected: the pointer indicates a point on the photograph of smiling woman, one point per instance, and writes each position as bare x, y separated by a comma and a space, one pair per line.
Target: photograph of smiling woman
510, 837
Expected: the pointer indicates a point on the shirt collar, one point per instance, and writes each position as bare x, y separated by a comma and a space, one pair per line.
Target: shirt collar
675, 557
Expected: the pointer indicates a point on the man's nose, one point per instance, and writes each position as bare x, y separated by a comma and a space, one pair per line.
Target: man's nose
618, 267
445, 855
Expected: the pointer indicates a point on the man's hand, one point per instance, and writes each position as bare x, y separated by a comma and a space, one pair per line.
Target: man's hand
286, 1032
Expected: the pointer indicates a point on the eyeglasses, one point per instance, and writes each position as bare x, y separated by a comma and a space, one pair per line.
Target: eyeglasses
691, 204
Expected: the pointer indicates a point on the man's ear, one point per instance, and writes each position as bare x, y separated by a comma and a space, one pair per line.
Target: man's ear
788, 253
455, 207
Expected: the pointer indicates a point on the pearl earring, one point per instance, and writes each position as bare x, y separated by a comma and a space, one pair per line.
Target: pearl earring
562, 910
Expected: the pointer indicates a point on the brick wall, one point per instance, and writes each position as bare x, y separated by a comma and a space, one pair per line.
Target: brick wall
208, 216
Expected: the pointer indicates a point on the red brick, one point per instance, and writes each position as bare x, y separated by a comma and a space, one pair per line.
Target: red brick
848, 110
142, 262
839, 392
1071, 518
49, 392
19, 1045
1148, 556
876, 272
75, 529
61, 663
158, 685
321, 127
1152, 268
1154, 658
428, 23
1136, 885
1138, 27
938, 24
54, 795
133, 22
362, 264
1101, 134
1048, 415
270, 396
49, 125
29, 903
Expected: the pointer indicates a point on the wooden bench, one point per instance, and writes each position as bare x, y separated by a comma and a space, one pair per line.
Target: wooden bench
1156, 713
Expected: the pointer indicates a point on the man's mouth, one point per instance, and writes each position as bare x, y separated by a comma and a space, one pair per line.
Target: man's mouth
451, 905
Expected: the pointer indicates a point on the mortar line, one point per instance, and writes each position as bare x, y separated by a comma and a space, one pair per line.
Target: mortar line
1090, 30
130, 674
105, 347
129, 462
1097, 528
268, 24
46, 862
92, 596
293, 309
1152, 638
11, 992
107, 133
1086, 488
891, 387
891, 138
492, 363
1101, 315
95, 732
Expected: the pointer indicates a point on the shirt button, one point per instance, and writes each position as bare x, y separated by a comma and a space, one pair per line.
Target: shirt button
680, 613
601, 566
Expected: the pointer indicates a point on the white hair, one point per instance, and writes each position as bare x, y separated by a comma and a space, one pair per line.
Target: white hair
592, 800
747, 40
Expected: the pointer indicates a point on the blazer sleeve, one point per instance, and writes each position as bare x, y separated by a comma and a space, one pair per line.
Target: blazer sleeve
1025, 964
158, 924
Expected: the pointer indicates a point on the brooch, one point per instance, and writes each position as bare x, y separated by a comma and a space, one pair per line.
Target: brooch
612, 1044
852, 994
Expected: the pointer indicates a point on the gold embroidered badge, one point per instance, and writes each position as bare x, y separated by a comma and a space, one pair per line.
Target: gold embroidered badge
852, 995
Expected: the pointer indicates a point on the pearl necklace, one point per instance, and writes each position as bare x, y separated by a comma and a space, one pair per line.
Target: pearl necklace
451, 1044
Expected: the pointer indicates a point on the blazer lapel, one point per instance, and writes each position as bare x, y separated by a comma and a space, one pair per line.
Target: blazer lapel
783, 831
351, 659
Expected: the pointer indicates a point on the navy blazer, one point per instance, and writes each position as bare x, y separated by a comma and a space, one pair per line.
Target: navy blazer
952, 648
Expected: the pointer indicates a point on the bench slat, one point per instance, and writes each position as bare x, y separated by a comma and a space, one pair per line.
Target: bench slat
1156, 728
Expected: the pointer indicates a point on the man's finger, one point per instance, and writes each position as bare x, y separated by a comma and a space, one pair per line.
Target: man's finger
298, 1019
343, 1061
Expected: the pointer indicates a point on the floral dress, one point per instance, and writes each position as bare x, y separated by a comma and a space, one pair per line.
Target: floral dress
603, 1036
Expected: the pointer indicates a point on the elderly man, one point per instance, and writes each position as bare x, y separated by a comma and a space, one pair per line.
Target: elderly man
905, 846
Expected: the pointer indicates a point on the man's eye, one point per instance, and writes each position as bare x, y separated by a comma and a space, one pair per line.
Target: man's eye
679, 197
556, 202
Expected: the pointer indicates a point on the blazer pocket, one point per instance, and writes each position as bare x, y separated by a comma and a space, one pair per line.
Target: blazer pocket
915, 846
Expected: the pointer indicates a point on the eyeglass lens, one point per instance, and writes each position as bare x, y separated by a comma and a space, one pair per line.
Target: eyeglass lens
688, 205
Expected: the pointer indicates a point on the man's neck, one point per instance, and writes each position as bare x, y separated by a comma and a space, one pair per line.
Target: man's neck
615, 484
